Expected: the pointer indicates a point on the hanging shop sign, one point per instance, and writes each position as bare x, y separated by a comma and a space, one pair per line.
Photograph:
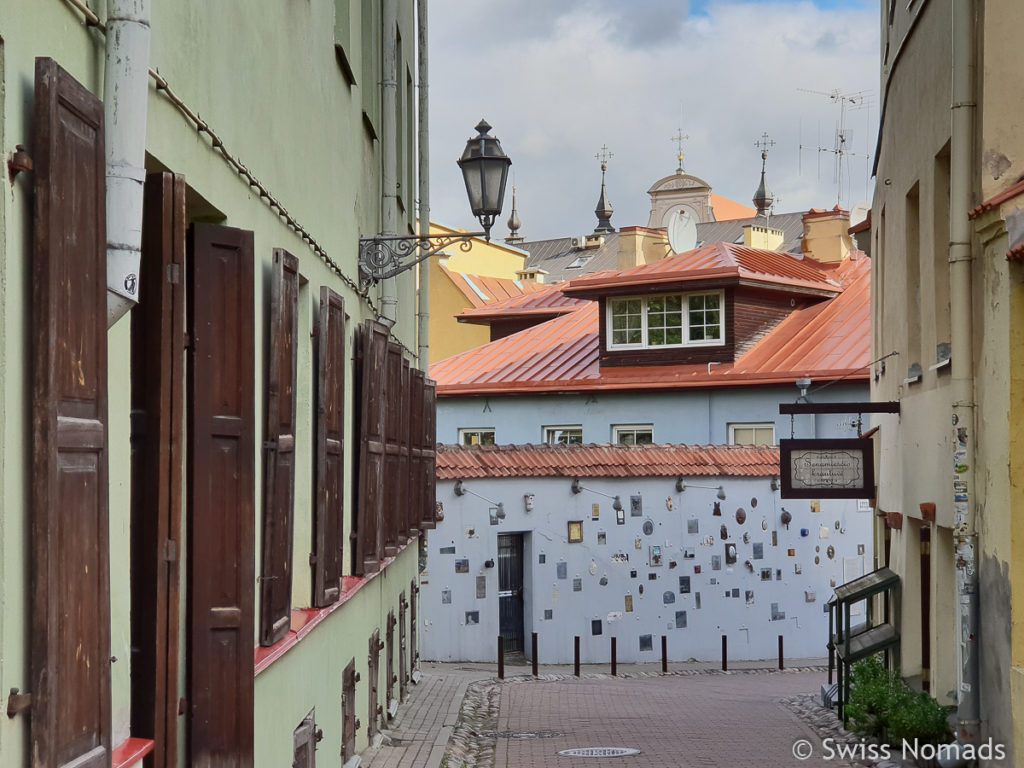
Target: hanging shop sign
827, 468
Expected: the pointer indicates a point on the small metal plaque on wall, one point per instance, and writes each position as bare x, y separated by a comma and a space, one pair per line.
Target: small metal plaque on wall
827, 468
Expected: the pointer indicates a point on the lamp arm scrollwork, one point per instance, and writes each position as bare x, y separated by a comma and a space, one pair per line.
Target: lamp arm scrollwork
383, 257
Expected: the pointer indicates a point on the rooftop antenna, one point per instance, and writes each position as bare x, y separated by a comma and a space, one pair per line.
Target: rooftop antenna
841, 149
679, 138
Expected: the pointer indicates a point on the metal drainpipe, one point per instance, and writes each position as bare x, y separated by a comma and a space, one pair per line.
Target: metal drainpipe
423, 134
962, 116
125, 92
389, 173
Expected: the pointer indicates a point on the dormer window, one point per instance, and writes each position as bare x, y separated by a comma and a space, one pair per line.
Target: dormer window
673, 320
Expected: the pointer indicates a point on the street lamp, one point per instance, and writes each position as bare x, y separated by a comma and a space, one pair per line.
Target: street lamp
484, 170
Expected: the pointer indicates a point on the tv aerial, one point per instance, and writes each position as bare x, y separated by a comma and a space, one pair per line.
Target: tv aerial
841, 148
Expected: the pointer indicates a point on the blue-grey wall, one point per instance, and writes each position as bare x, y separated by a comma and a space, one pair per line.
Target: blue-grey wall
686, 416
655, 590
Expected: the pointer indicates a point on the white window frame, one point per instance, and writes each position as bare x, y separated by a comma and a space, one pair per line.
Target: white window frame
466, 431
685, 329
755, 425
550, 432
617, 429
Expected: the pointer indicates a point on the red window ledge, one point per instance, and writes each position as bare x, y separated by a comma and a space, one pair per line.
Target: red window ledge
131, 752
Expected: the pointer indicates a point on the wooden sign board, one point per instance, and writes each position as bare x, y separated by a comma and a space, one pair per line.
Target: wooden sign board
827, 468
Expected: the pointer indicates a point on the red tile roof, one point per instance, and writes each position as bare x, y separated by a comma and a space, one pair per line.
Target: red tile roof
456, 462
716, 261
827, 341
482, 290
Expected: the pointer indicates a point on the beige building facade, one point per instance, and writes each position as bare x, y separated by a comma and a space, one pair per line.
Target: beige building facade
946, 289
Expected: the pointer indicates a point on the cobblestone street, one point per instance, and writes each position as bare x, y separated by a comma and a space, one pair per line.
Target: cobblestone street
693, 716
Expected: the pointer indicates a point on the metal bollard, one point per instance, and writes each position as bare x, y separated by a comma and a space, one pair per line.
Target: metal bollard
576, 656
781, 665
501, 659
614, 670
725, 653
534, 642
664, 654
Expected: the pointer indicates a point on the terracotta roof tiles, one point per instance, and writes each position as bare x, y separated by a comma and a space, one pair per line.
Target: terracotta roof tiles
455, 462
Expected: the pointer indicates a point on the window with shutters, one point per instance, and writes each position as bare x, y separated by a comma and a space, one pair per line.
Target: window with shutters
279, 448
371, 400
304, 742
70, 721
349, 722
330, 449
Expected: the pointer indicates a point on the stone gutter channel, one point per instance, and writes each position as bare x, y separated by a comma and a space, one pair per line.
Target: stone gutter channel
474, 738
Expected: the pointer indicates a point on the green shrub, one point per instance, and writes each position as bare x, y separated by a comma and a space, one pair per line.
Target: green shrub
883, 706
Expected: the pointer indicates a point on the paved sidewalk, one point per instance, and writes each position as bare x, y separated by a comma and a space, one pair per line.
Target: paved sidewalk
695, 716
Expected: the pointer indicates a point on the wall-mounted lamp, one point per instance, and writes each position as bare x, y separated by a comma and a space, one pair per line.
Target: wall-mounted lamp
682, 485
578, 487
803, 385
484, 170
462, 490
488, 563
528, 502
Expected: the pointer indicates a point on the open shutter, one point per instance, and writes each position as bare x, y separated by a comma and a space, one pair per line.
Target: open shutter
330, 449
70, 635
304, 743
158, 401
279, 450
349, 722
414, 502
429, 509
221, 478
372, 365
405, 447
393, 490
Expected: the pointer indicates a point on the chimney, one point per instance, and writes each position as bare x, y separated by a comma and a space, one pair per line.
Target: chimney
531, 275
827, 235
763, 238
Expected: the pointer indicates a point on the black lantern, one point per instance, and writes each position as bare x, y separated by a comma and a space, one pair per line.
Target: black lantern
485, 170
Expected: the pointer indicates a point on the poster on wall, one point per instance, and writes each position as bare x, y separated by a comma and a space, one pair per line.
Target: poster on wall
836, 468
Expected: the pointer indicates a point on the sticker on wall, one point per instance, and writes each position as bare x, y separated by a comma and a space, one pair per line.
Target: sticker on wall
562, 570
655, 556
723, 533
746, 537
595, 511
549, 614
810, 597
593, 568
554, 595
575, 531
542, 558
791, 552
640, 589
696, 598
693, 525
672, 564
830, 552
777, 615
596, 628
736, 592
646, 642
632, 574
823, 532
815, 506
668, 504
620, 557
753, 502
797, 568
652, 576
837, 526
602, 537
472, 617
708, 541
481, 587
717, 509
638, 543
636, 505
577, 585
817, 560
648, 527
730, 554
629, 603
696, 569
860, 549
462, 566
764, 523
714, 580
758, 551
446, 597
766, 574
716, 562
804, 532
741, 516
680, 619
778, 574
446, 550
689, 553
620, 517
493, 515
470, 532
684, 585
668, 597
775, 538
749, 595
604, 581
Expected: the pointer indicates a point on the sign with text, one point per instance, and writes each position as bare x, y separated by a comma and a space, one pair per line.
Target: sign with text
827, 469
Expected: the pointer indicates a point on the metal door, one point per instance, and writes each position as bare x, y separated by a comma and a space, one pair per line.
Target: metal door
510, 591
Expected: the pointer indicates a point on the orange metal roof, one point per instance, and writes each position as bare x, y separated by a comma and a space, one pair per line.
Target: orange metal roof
717, 261
727, 210
457, 462
829, 340
547, 300
482, 290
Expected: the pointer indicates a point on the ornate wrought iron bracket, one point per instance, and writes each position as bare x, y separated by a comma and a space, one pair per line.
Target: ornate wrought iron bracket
386, 256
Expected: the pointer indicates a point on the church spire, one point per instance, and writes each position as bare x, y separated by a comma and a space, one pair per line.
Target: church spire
763, 197
679, 138
604, 206
514, 223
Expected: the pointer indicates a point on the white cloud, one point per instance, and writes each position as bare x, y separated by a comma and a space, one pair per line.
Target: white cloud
557, 80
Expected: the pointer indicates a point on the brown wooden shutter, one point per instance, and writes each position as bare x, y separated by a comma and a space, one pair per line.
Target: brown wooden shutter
429, 520
221, 477
414, 503
389, 661
304, 743
403, 670
393, 496
70, 634
349, 723
372, 366
373, 672
405, 472
279, 450
414, 651
330, 450
158, 401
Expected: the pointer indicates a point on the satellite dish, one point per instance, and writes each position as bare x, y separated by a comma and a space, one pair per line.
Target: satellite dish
682, 232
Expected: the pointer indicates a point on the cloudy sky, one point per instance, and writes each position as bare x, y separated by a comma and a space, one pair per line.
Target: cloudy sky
558, 79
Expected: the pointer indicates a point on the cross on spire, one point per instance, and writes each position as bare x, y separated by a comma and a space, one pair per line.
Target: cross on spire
679, 138
764, 144
604, 156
